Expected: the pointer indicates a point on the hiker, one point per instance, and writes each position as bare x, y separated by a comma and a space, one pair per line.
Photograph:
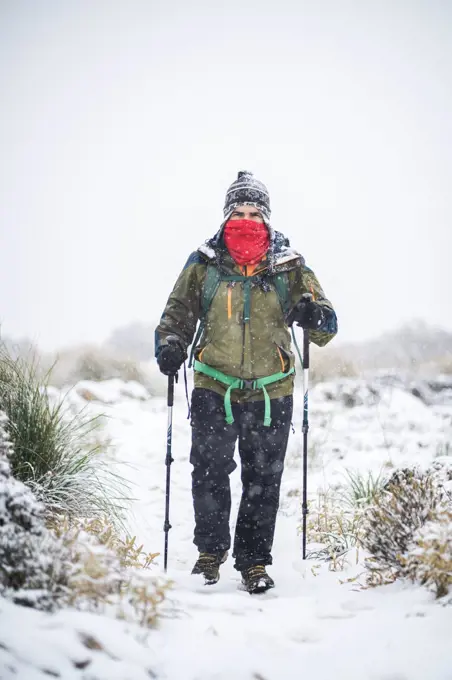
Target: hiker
241, 285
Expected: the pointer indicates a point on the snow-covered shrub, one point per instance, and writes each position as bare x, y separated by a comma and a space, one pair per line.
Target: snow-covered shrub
350, 393
136, 340
103, 363
53, 450
411, 500
32, 570
110, 574
445, 365
83, 564
429, 559
96, 364
330, 365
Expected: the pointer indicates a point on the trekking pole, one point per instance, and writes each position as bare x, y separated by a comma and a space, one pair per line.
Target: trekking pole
307, 297
305, 430
168, 460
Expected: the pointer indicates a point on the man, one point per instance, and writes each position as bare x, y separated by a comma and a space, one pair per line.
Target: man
244, 284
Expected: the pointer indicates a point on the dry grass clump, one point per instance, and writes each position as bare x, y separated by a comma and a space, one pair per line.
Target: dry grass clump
405, 523
407, 502
429, 560
334, 526
110, 574
335, 520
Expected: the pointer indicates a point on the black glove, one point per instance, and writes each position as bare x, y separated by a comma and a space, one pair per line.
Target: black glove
308, 314
171, 356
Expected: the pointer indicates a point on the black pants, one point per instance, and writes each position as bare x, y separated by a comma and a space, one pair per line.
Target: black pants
262, 451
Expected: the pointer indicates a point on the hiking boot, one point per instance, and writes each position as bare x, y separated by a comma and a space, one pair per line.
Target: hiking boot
208, 565
256, 580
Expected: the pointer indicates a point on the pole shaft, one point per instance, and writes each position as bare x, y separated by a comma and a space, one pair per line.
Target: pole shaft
168, 461
305, 430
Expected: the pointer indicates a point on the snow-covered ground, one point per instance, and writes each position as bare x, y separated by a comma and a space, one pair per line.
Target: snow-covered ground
315, 623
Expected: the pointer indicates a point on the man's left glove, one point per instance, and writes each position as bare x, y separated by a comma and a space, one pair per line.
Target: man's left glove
171, 356
307, 314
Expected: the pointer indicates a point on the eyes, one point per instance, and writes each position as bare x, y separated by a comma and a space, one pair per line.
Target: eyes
238, 213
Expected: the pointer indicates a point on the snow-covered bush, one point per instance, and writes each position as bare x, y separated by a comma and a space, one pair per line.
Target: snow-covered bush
32, 570
398, 528
54, 451
101, 363
83, 564
93, 363
330, 365
429, 559
350, 392
110, 574
136, 340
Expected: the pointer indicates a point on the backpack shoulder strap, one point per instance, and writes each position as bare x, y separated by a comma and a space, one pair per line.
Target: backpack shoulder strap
281, 284
211, 283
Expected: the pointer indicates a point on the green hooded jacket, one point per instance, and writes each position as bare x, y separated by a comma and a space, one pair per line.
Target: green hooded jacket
244, 349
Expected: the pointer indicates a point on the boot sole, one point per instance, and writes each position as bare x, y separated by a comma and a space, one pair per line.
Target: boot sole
257, 590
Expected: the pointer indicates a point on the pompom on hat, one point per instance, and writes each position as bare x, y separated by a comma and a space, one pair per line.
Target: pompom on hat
247, 190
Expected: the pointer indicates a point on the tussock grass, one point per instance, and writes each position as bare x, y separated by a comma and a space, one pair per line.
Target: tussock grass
361, 488
335, 526
53, 450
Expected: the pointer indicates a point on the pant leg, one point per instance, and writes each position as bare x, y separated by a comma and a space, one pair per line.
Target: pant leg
262, 452
212, 457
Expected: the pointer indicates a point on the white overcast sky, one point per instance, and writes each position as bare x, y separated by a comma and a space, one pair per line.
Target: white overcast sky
123, 122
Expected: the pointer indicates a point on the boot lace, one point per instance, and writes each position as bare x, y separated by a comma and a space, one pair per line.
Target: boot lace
207, 560
256, 572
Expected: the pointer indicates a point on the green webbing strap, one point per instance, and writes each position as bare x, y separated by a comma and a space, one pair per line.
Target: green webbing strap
247, 281
239, 384
211, 283
281, 284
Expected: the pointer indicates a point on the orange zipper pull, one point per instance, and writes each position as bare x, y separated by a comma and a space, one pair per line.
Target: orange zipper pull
229, 302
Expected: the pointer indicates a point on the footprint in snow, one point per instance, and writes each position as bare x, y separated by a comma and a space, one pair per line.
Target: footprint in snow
356, 606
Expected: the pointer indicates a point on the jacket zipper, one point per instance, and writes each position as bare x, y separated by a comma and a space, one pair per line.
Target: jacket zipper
242, 368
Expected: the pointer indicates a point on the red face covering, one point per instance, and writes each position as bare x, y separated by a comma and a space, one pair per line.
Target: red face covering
246, 240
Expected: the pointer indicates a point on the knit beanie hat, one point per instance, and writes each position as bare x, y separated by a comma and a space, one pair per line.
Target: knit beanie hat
247, 190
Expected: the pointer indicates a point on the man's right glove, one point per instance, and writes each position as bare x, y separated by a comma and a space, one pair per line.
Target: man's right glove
171, 356
307, 314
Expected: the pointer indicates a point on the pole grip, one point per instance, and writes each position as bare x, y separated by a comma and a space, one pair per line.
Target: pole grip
171, 390
305, 348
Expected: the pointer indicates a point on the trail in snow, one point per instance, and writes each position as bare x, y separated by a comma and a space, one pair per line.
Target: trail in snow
310, 624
